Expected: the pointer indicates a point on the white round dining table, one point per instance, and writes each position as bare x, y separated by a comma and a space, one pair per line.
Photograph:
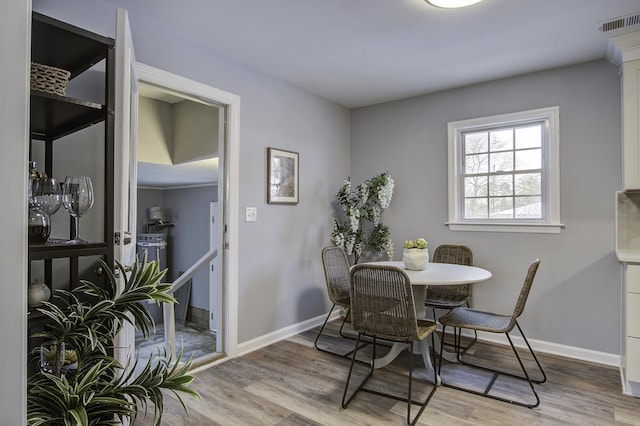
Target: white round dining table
432, 274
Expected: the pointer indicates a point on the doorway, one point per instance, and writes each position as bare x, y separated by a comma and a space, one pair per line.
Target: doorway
177, 182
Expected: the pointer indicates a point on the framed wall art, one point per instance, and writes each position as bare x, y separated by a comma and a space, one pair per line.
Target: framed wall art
282, 176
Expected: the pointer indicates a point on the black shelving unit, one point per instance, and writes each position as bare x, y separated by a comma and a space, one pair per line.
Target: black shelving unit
58, 44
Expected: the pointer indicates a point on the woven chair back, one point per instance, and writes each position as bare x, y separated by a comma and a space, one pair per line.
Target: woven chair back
526, 288
448, 253
458, 255
336, 274
382, 302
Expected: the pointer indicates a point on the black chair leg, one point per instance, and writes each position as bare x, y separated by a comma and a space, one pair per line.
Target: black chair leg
344, 320
315, 343
408, 400
533, 354
497, 373
513, 348
345, 401
475, 337
465, 348
444, 327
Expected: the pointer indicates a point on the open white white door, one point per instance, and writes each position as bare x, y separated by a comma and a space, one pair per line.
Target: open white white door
216, 307
125, 170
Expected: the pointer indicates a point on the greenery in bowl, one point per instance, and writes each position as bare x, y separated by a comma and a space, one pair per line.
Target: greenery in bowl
420, 243
101, 391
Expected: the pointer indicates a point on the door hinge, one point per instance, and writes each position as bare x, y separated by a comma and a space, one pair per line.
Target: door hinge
117, 238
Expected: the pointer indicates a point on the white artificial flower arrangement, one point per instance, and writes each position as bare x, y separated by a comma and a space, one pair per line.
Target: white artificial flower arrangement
362, 230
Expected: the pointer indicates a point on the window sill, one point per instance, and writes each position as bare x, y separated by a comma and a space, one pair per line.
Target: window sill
531, 228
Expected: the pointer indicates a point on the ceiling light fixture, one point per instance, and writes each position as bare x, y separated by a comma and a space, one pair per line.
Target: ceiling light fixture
452, 3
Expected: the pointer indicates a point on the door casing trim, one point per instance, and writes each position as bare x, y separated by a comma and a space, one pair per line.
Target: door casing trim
228, 185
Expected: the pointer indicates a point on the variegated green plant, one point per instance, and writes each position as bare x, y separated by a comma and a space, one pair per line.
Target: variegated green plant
101, 391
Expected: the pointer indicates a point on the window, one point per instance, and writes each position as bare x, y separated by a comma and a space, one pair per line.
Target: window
504, 173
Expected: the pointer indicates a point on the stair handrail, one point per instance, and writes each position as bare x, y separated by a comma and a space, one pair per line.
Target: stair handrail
168, 309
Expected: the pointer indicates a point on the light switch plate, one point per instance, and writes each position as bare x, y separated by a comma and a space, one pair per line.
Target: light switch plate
250, 214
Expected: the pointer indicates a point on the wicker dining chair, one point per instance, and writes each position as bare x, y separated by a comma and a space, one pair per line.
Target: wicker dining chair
336, 273
463, 317
451, 296
382, 307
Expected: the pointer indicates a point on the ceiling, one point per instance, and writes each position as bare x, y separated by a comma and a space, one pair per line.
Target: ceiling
363, 52
194, 173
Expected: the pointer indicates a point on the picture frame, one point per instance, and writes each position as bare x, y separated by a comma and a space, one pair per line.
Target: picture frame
282, 176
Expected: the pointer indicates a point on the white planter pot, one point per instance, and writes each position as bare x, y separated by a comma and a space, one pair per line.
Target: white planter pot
38, 293
415, 259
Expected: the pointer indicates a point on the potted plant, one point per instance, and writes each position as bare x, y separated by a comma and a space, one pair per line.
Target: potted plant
99, 390
415, 254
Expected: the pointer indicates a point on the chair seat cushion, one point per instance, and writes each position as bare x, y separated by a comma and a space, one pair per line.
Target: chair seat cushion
345, 302
445, 303
477, 320
425, 328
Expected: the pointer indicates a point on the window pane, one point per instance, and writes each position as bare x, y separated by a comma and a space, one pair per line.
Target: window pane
476, 164
475, 208
476, 142
475, 186
528, 184
500, 185
529, 137
501, 161
529, 159
501, 208
528, 207
501, 140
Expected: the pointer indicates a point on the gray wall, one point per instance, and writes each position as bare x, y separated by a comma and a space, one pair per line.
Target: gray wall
14, 87
189, 239
280, 276
575, 300
188, 210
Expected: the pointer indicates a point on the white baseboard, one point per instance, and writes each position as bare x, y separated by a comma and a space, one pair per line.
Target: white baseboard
539, 346
284, 333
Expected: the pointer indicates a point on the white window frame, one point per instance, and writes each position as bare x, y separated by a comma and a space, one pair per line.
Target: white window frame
550, 222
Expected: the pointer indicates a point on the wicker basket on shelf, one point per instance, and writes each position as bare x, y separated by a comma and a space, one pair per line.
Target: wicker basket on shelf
49, 79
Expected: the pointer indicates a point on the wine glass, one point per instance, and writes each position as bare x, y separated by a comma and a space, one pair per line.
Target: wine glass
77, 198
46, 194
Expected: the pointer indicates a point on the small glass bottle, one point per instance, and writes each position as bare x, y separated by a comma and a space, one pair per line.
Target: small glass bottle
39, 225
39, 221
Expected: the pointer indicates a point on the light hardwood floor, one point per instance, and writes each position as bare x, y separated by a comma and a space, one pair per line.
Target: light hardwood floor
291, 383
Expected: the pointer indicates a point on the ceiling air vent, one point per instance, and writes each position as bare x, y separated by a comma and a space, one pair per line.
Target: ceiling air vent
620, 25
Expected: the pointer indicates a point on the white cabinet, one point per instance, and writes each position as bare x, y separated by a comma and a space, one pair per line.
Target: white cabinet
630, 124
633, 361
630, 354
624, 50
